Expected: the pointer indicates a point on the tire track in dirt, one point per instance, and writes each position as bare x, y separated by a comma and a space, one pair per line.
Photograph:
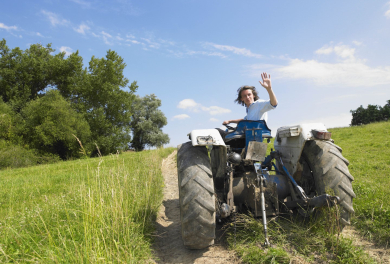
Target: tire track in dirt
169, 246
380, 254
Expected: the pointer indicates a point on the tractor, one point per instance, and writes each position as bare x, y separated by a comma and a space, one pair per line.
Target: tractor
224, 172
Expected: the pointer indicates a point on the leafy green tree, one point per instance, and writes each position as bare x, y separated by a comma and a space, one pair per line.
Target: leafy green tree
11, 124
147, 122
385, 111
50, 123
26, 74
104, 97
100, 92
373, 113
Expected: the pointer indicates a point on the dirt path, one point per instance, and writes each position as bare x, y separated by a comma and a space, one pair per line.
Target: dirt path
381, 254
169, 245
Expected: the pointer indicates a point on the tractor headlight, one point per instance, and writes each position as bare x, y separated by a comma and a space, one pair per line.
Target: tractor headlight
205, 140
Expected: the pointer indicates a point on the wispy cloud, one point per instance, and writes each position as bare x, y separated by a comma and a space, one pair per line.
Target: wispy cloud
67, 50
152, 44
387, 13
39, 34
191, 105
340, 120
206, 53
180, 117
82, 3
348, 70
239, 51
82, 28
8, 28
106, 37
54, 18
342, 51
213, 119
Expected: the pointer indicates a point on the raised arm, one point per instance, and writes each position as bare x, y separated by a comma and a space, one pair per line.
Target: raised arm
267, 85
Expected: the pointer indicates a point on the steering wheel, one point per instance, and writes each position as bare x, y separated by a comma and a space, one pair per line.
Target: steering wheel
229, 127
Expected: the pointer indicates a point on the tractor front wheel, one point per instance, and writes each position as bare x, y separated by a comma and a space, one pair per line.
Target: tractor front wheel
196, 196
325, 164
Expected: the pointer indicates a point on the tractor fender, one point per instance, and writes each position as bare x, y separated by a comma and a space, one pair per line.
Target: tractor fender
206, 137
290, 141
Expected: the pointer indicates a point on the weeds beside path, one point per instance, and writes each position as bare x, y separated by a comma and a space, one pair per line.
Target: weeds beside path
99, 210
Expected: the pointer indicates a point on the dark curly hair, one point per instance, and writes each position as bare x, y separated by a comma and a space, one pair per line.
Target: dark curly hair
243, 88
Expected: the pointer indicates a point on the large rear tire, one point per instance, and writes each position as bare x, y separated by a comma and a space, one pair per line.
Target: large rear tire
196, 196
329, 170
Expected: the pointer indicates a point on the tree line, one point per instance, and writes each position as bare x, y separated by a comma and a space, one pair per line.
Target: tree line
50, 103
373, 113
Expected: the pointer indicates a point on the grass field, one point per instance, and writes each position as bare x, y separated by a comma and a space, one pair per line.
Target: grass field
102, 210
368, 150
99, 210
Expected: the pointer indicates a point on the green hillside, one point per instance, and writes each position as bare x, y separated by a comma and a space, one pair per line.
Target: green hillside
97, 210
367, 148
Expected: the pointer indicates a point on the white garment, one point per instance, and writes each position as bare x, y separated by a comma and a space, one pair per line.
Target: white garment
258, 110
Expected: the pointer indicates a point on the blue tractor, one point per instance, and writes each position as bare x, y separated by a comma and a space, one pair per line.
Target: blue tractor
222, 172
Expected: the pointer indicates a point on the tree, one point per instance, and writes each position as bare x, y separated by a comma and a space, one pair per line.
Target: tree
373, 113
26, 74
146, 123
100, 93
104, 97
50, 123
10, 124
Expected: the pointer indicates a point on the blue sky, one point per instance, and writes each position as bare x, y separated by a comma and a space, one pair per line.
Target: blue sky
325, 57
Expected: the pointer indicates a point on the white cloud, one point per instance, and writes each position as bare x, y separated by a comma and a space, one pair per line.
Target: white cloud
340, 120
239, 51
180, 117
216, 110
133, 41
342, 51
67, 50
106, 34
347, 71
8, 28
82, 3
54, 18
82, 28
105, 37
324, 50
39, 34
152, 44
217, 54
187, 104
387, 13
357, 43
193, 106
213, 120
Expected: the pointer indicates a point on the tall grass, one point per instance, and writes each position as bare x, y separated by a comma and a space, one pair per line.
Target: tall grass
85, 211
367, 148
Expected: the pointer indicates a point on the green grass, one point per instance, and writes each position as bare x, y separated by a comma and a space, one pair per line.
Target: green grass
367, 148
98, 210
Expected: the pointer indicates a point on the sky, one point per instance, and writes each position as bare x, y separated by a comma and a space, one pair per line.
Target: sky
325, 58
